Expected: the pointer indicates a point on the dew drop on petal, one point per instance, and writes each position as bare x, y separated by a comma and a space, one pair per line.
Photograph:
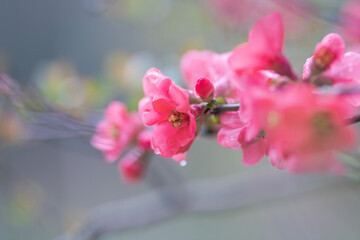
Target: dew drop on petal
183, 163
156, 151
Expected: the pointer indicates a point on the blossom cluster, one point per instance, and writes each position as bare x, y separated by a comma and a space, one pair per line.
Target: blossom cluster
251, 99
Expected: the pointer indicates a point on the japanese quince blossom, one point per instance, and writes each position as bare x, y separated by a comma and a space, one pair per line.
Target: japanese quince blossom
263, 51
303, 129
166, 107
116, 131
132, 165
251, 99
331, 66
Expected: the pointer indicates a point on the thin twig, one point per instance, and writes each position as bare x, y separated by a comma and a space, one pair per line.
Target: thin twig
225, 108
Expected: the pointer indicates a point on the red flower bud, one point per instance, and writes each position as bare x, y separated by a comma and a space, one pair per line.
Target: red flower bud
132, 166
204, 89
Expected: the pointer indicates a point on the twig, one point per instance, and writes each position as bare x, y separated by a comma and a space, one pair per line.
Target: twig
225, 108
203, 195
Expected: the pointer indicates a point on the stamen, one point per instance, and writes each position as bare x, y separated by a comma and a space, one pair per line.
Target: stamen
324, 58
322, 123
114, 132
176, 118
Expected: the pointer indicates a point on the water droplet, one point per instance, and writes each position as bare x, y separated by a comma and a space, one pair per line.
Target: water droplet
156, 151
183, 163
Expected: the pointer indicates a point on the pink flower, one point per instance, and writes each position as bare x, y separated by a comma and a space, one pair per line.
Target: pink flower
204, 89
166, 107
132, 166
343, 70
210, 65
327, 52
303, 129
264, 48
232, 135
116, 131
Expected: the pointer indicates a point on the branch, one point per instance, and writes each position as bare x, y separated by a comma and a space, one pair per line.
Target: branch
198, 196
225, 108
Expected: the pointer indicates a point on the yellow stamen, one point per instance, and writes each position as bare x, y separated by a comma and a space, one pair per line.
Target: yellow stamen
322, 123
324, 58
114, 132
176, 118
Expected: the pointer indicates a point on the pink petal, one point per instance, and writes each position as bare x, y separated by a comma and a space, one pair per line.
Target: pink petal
163, 106
180, 98
267, 35
231, 119
253, 153
244, 58
116, 112
346, 70
155, 83
102, 143
164, 139
147, 113
111, 156
186, 134
306, 68
229, 138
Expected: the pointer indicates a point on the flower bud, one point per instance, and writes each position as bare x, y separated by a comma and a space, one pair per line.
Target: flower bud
204, 89
132, 166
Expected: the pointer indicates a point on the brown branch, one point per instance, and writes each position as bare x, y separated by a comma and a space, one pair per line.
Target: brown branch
225, 108
201, 196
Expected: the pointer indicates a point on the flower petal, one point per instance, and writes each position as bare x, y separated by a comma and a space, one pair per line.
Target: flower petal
253, 153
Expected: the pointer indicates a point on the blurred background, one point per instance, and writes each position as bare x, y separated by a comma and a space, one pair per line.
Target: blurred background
80, 54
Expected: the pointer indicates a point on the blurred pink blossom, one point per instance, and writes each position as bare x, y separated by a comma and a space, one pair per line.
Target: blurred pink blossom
132, 166
116, 131
328, 51
343, 70
263, 51
300, 125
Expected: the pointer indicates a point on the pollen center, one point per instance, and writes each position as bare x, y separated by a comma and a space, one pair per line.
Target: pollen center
322, 123
114, 132
324, 58
177, 118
